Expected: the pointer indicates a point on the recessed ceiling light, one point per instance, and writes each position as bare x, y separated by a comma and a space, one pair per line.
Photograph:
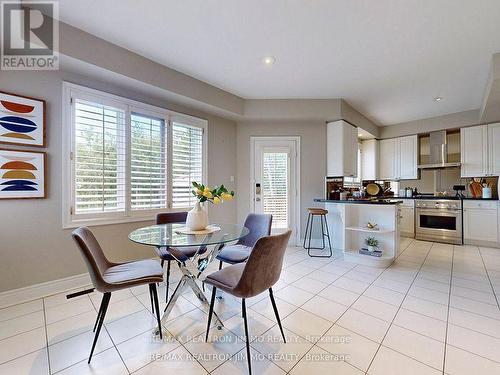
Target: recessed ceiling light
438, 99
268, 60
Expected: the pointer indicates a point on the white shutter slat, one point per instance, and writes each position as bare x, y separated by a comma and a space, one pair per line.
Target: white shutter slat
187, 162
99, 158
148, 163
275, 187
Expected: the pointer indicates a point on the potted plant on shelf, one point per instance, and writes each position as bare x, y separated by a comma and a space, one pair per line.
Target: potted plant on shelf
197, 218
372, 243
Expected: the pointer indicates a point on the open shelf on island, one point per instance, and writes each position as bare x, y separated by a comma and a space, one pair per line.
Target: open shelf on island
365, 229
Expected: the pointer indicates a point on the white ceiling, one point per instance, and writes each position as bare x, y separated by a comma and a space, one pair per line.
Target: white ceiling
387, 58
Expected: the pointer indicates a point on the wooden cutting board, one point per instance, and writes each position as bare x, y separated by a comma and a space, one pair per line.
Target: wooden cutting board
476, 189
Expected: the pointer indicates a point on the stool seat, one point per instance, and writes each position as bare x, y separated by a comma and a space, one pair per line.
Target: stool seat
317, 211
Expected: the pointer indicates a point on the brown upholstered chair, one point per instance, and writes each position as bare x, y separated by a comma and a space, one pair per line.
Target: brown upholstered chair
244, 280
164, 253
259, 226
108, 277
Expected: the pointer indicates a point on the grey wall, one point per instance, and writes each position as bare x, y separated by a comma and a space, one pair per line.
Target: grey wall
451, 121
34, 248
312, 160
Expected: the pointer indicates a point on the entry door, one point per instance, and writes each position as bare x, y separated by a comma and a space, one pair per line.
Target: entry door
275, 181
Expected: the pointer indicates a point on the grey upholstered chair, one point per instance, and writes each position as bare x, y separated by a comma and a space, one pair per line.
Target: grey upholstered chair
244, 280
108, 277
164, 253
259, 226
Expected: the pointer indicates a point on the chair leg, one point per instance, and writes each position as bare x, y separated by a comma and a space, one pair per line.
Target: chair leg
220, 265
151, 300
305, 232
167, 281
104, 307
98, 316
211, 311
247, 339
154, 293
276, 313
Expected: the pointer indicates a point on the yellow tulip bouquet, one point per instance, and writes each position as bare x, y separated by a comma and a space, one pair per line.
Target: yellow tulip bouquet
214, 195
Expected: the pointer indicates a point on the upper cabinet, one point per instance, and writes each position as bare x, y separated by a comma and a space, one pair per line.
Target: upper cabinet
341, 149
408, 151
480, 150
398, 158
387, 159
494, 149
370, 160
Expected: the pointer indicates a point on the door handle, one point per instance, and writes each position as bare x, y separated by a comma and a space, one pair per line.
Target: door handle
257, 199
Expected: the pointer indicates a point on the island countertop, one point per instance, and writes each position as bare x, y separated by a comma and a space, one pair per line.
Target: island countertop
360, 201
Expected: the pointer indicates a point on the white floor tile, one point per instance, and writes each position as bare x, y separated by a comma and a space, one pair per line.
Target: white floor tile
285, 355
107, 362
340, 295
431, 309
21, 324
179, 362
294, 295
257, 324
474, 342
416, 346
460, 362
376, 308
24, 343
145, 348
131, 325
475, 307
36, 363
238, 365
390, 362
364, 324
358, 350
307, 325
68, 352
475, 322
10, 312
67, 310
66, 328
384, 295
319, 361
325, 308
265, 308
188, 326
422, 324
354, 286
310, 285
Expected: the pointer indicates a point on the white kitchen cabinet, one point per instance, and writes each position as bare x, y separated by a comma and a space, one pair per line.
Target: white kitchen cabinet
407, 218
481, 222
369, 159
408, 150
341, 149
474, 151
398, 158
387, 159
494, 149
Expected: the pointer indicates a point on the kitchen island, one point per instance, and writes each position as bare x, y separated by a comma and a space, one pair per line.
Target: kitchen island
347, 223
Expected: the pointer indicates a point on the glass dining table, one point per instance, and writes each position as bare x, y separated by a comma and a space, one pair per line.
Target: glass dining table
209, 245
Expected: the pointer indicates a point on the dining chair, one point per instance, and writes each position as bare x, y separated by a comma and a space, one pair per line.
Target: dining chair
245, 280
259, 226
108, 277
164, 253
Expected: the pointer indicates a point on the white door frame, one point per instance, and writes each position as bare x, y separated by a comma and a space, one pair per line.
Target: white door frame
296, 167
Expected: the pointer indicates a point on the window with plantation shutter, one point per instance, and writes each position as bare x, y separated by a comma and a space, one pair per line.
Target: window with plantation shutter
148, 163
99, 158
187, 162
124, 160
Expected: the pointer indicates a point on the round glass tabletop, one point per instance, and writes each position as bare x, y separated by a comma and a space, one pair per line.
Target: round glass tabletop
169, 235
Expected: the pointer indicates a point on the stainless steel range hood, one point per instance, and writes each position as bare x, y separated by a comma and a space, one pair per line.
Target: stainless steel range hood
438, 159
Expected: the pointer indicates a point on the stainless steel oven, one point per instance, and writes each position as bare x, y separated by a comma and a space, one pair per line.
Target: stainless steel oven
439, 220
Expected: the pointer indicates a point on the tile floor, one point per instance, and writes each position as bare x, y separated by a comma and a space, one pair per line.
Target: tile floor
433, 311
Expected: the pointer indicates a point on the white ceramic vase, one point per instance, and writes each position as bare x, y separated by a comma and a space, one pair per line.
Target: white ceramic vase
371, 249
197, 218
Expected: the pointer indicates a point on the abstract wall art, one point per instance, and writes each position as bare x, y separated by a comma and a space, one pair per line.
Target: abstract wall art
22, 120
22, 174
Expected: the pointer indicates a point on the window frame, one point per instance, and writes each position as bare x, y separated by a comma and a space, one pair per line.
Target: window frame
72, 91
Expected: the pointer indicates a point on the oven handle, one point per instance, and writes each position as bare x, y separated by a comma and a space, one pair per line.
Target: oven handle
439, 212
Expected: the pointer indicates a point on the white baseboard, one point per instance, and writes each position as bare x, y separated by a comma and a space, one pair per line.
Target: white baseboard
32, 292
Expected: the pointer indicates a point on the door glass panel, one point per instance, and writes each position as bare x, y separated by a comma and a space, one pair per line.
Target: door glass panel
438, 222
275, 187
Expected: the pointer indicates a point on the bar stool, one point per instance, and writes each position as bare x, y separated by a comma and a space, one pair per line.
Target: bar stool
310, 219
